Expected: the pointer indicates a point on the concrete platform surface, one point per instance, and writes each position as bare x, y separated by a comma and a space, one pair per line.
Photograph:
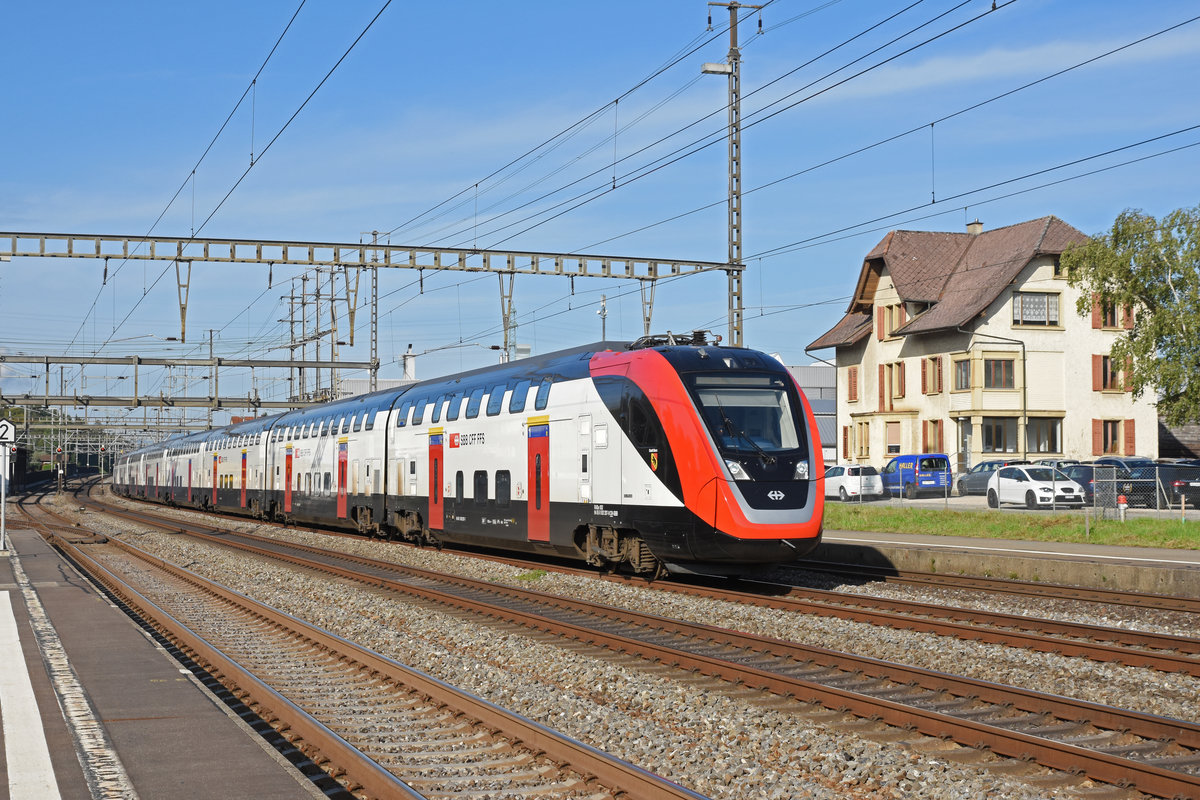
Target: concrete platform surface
154, 730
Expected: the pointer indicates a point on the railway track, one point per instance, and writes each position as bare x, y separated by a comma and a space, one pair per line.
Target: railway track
1006, 586
382, 728
1163, 652
1153, 754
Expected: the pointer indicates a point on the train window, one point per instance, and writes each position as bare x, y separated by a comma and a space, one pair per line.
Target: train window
436, 416
473, 403
537, 481
419, 411
516, 403
454, 407
304, 431
543, 395
503, 488
357, 423
370, 420
402, 415
481, 487
458, 486
328, 478
495, 400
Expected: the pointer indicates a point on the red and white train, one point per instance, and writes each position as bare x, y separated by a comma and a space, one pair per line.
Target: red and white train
652, 456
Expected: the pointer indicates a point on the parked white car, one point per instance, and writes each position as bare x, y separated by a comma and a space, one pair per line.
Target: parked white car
853, 480
1035, 486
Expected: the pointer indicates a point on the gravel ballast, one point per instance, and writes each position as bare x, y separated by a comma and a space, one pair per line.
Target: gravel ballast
696, 732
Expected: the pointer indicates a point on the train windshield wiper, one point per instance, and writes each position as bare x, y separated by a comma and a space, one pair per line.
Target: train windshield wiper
732, 429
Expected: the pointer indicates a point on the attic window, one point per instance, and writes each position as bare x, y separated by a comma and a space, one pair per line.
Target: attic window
889, 319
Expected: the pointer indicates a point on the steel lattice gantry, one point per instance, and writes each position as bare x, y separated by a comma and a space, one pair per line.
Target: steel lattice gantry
372, 255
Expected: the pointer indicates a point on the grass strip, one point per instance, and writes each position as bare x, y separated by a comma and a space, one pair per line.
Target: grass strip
1034, 527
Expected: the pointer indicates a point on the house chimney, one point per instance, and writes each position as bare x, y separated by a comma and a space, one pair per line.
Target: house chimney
975, 228
410, 368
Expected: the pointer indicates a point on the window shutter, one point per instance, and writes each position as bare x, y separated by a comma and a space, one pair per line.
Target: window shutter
939, 362
1130, 443
1097, 312
846, 441
900, 390
852, 376
941, 434
1097, 437
1127, 377
1097, 373
924, 437
1127, 317
924, 376
879, 323
903, 316
882, 389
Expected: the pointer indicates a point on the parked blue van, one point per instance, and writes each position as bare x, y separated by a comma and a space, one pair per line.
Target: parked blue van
912, 475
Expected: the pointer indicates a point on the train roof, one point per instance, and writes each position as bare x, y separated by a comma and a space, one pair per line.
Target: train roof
572, 363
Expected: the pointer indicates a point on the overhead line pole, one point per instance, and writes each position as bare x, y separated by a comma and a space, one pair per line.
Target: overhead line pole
732, 68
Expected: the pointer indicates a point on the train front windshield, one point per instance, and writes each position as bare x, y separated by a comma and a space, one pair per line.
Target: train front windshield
754, 413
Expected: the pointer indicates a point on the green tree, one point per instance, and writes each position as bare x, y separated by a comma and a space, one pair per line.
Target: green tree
1153, 267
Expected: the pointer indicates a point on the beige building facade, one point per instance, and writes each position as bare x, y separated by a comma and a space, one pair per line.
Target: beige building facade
970, 344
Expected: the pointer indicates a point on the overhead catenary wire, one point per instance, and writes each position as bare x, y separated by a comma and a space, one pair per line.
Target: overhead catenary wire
191, 175
908, 132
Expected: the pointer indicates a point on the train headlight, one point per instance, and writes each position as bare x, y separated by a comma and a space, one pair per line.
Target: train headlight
737, 470
801, 470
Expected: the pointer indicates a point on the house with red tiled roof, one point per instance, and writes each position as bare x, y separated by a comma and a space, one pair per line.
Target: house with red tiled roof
969, 344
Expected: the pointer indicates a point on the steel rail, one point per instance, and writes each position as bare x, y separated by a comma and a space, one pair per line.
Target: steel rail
1162, 602
624, 777
1095, 642
1101, 766
365, 775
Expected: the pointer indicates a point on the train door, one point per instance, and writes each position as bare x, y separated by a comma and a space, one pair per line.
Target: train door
341, 478
287, 480
156, 480
539, 479
243, 497
189, 495
216, 460
585, 458
434, 516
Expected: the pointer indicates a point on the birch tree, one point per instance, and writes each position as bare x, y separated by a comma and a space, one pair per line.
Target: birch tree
1153, 267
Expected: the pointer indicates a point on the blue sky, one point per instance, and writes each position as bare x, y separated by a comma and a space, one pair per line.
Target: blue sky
109, 106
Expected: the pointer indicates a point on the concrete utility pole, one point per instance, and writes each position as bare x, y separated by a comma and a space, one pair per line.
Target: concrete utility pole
732, 68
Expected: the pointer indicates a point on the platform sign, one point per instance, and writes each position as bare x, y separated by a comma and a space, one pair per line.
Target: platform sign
8, 435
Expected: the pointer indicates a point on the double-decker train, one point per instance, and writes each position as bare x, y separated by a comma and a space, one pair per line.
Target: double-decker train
669, 454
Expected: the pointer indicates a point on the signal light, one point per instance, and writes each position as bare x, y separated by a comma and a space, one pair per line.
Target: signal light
101, 448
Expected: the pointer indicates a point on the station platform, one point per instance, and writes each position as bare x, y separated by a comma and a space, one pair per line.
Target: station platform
92, 706
1136, 569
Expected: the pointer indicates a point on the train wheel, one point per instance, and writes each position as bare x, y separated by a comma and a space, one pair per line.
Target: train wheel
993, 501
1030, 501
